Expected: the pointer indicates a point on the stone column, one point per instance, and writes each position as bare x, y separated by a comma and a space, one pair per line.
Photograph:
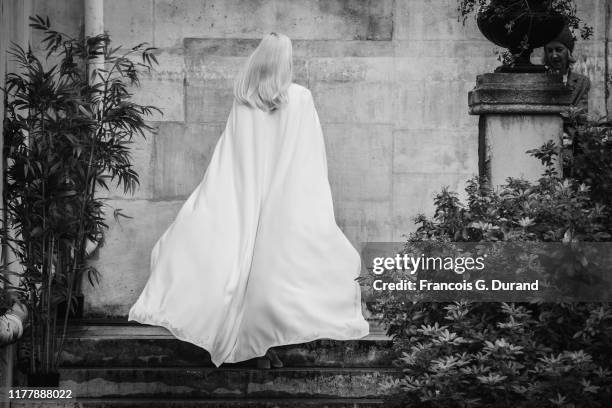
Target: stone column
518, 112
94, 25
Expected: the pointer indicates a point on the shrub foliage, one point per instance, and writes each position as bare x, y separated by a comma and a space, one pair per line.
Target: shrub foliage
479, 354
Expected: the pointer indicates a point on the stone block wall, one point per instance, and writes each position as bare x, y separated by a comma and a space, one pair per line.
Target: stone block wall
390, 80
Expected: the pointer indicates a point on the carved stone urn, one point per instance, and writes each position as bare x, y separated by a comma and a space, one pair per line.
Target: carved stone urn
520, 26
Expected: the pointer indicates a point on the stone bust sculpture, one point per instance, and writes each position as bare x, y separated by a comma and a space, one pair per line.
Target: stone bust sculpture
558, 58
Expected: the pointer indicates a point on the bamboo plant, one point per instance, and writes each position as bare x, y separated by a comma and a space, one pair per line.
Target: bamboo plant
67, 131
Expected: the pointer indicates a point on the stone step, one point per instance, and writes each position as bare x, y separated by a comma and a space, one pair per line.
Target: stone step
172, 353
204, 382
208, 403
113, 363
121, 328
89, 344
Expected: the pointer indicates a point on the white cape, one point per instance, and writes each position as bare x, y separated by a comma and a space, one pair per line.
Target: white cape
254, 258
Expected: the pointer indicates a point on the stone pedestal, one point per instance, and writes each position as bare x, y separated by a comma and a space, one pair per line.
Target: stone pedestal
518, 112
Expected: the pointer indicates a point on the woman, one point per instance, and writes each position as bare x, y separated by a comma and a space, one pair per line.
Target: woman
254, 258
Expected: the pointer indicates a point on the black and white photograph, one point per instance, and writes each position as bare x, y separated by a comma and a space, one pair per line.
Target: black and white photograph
306, 203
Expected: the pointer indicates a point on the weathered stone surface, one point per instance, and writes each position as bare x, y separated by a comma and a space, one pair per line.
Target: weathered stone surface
129, 22
135, 352
432, 20
183, 152
66, 16
519, 93
207, 101
431, 105
358, 161
203, 70
337, 19
171, 65
435, 151
361, 102
351, 69
363, 221
413, 193
123, 261
343, 48
409, 103
508, 137
176, 20
311, 19
242, 47
445, 106
436, 69
424, 48
220, 47
163, 87
593, 12
518, 112
167, 95
591, 61
142, 159
220, 382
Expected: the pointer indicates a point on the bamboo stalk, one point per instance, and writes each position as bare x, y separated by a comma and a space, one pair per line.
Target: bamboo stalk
45, 270
48, 326
54, 338
77, 251
80, 235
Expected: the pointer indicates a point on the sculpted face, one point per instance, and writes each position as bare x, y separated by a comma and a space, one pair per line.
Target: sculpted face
557, 56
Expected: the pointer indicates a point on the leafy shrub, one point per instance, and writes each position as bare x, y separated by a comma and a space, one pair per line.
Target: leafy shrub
590, 157
477, 354
498, 354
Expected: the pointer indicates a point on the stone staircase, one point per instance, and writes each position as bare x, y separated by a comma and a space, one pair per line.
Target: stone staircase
113, 363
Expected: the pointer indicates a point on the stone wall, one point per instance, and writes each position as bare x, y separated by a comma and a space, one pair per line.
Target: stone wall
390, 80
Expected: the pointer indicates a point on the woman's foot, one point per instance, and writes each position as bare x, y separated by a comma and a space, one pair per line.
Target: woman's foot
269, 360
273, 358
263, 363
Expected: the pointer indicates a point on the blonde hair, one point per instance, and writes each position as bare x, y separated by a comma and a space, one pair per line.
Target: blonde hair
264, 80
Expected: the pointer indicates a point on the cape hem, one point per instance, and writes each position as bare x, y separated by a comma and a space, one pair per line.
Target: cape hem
152, 321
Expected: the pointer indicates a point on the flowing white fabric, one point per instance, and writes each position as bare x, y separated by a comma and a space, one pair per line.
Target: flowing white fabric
254, 258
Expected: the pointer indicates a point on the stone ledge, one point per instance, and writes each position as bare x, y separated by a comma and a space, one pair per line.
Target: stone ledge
203, 382
242, 47
115, 328
481, 108
519, 93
